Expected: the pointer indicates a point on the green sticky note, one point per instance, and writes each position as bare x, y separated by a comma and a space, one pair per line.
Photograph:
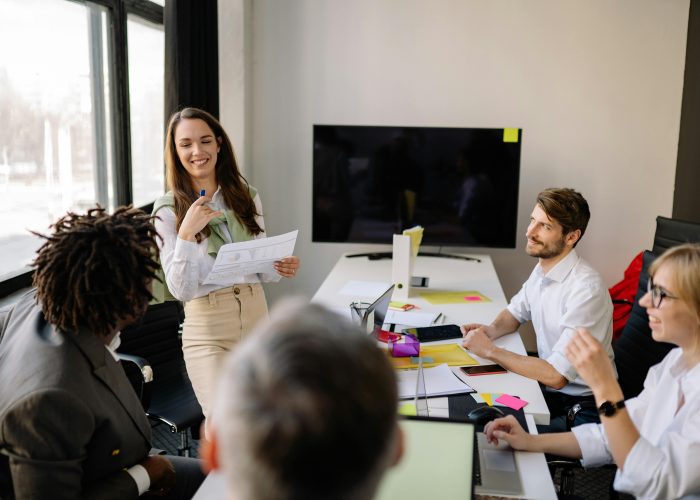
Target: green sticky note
510, 135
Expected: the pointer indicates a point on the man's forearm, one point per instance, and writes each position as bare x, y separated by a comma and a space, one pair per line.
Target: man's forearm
528, 366
504, 324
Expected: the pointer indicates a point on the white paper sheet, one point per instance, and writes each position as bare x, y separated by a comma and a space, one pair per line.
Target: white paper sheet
410, 318
235, 260
357, 288
439, 381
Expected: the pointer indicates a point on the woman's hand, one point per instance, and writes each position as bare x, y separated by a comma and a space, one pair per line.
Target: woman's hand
508, 429
288, 266
591, 361
196, 218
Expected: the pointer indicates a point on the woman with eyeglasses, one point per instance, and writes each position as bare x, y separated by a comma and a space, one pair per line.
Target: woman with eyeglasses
654, 438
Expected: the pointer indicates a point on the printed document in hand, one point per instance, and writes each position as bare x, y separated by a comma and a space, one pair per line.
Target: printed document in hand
235, 260
439, 381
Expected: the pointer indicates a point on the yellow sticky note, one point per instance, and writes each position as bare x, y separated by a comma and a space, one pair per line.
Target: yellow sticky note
408, 410
510, 135
450, 297
416, 234
487, 398
434, 355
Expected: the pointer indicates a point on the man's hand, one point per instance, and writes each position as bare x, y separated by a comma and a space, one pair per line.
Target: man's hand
162, 474
508, 429
465, 329
478, 342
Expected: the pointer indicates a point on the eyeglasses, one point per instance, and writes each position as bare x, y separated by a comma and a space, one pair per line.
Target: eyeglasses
658, 294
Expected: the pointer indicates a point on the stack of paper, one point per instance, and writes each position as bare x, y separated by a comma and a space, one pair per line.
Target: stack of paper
439, 381
411, 318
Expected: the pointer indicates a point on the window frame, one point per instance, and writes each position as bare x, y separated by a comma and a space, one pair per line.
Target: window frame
119, 90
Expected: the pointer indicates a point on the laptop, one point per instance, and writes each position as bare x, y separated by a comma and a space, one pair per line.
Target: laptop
371, 318
434, 444
447, 459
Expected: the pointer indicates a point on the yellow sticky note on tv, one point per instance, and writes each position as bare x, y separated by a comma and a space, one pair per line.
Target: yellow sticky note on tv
408, 409
510, 135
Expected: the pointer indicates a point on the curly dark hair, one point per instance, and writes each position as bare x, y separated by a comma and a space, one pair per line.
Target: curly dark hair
96, 269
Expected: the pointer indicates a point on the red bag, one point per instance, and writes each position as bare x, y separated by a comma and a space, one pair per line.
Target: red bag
623, 294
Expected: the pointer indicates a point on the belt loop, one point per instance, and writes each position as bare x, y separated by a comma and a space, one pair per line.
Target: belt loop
212, 299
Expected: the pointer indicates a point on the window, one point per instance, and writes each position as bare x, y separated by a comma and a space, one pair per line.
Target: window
146, 95
64, 133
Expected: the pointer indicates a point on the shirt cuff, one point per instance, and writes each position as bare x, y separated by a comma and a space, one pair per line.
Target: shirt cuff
515, 312
562, 365
185, 248
591, 440
140, 475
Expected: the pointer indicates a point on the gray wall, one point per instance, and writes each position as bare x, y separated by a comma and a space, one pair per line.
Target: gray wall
596, 87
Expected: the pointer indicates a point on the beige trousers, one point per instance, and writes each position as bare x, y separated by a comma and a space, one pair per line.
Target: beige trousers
213, 325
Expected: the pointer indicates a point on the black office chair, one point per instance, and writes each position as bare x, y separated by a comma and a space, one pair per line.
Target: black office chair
151, 354
635, 350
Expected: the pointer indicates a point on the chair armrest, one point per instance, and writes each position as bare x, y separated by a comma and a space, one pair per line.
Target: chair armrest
141, 363
622, 301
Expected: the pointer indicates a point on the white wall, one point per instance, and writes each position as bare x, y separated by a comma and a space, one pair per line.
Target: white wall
595, 86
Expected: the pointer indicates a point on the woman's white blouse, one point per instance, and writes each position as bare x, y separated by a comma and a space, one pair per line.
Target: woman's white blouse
665, 461
186, 263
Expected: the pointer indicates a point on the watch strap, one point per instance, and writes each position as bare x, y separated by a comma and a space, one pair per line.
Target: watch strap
609, 409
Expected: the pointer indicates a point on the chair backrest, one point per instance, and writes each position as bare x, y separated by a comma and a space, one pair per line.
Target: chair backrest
636, 351
156, 338
672, 232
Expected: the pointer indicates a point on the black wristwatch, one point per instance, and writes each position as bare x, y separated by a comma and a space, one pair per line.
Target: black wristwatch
609, 409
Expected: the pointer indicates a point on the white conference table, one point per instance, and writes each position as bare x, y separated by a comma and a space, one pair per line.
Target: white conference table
455, 275
447, 274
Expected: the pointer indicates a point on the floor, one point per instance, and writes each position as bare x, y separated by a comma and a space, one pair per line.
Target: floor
590, 484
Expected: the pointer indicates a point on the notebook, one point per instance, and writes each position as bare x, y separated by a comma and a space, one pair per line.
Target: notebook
438, 457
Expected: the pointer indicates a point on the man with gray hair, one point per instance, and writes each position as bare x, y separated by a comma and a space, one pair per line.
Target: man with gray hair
306, 409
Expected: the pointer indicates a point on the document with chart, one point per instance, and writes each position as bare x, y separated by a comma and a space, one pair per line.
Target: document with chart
236, 260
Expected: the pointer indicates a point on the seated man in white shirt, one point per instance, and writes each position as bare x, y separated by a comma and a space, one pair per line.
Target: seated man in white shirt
563, 293
306, 408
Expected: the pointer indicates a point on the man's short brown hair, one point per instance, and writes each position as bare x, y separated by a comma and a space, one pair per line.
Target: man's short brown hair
566, 206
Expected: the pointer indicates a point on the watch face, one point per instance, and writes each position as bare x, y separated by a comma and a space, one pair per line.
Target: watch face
607, 409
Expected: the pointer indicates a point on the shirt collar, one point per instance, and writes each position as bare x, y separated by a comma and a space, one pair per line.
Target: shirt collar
114, 345
680, 371
561, 269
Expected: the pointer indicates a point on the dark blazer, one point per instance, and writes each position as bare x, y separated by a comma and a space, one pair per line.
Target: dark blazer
70, 422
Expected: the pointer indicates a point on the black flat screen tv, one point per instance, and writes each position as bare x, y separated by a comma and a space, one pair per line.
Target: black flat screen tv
460, 184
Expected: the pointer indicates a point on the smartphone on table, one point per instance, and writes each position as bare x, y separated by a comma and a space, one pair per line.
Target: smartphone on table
435, 333
483, 369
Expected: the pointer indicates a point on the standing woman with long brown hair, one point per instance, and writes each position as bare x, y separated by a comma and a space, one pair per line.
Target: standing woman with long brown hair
200, 159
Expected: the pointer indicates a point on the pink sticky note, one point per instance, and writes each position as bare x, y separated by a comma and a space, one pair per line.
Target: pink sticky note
511, 401
473, 298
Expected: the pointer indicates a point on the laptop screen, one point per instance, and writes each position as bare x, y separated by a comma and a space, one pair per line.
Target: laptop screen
381, 306
437, 464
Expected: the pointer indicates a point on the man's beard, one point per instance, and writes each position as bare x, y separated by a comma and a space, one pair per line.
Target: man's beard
547, 251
